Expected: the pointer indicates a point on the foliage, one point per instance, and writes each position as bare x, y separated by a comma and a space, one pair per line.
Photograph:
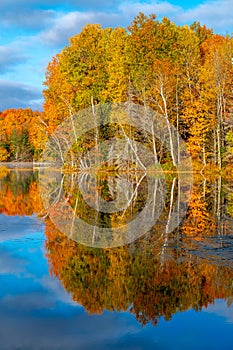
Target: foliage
22, 135
183, 72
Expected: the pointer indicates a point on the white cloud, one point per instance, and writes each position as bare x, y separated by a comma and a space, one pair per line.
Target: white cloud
69, 24
32, 19
9, 57
160, 8
16, 95
65, 26
215, 14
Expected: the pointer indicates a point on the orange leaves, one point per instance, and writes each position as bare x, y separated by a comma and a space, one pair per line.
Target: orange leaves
19, 202
199, 222
212, 43
183, 72
21, 134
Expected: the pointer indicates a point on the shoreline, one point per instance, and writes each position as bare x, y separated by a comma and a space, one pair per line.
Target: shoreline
21, 165
16, 165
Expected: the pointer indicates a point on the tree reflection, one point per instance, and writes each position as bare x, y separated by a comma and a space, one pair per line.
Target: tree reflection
19, 193
161, 273
133, 278
156, 276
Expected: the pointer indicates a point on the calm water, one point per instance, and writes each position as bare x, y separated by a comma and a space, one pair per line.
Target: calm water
164, 290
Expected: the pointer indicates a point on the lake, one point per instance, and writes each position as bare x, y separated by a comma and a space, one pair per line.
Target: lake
75, 275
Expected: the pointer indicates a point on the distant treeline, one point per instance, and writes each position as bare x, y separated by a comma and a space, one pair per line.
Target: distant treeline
22, 135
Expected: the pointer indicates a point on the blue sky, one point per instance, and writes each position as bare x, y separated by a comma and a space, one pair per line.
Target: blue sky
32, 31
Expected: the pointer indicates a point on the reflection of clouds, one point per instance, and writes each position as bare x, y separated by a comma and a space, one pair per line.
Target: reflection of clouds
221, 308
55, 288
10, 264
27, 302
46, 318
37, 313
52, 330
44, 291
16, 227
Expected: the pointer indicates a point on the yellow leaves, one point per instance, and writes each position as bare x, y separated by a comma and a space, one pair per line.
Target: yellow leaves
4, 154
199, 222
229, 207
3, 172
38, 133
185, 73
116, 66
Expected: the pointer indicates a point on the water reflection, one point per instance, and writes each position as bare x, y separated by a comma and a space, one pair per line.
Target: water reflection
19, 193
155, 276
141, 278
103, 210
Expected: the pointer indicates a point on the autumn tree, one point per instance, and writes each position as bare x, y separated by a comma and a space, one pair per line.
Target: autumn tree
182, 72
22, 135
217, 82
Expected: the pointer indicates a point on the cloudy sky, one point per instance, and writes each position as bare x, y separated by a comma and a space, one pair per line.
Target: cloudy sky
32, 31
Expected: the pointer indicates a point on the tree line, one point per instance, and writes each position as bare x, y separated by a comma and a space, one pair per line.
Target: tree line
184, 73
